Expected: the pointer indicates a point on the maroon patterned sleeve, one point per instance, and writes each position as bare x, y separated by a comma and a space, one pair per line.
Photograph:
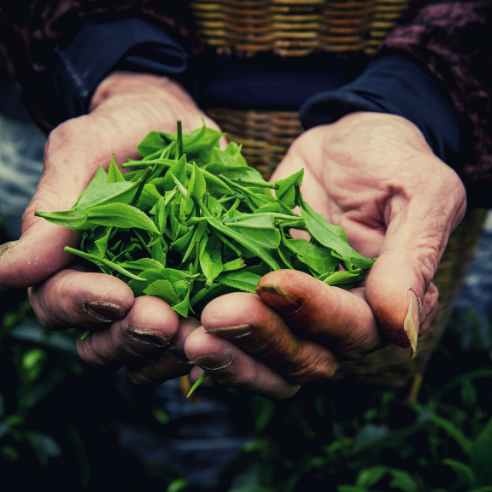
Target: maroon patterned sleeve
29, 30
454, 40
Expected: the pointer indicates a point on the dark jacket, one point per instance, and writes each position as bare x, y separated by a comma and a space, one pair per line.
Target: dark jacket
452, 39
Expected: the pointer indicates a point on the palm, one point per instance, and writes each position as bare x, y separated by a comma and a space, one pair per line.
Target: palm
343, 182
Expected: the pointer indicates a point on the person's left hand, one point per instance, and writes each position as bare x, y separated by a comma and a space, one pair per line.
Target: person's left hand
375, 175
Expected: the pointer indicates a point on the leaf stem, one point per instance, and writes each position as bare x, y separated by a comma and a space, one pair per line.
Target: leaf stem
85, 336
198, 382
104, 261
180, 140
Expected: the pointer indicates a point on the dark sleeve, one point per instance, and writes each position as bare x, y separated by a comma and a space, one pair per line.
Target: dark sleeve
103, 47
398, 85
453, 39
30, 31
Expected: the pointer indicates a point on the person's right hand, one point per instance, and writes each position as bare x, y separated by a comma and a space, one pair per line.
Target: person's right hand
125, 107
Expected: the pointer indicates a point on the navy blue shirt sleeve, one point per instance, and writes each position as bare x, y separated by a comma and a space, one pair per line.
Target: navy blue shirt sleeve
102, 47
395, 84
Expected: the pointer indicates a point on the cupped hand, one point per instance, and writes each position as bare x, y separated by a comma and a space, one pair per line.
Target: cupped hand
374, 175
125, 107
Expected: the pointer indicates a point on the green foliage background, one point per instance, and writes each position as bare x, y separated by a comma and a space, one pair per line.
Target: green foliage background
54, 416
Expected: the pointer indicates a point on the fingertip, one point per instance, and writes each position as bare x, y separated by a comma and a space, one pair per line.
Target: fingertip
286, 290
149, 318
199, 342
230, 310
395, 291
37, 255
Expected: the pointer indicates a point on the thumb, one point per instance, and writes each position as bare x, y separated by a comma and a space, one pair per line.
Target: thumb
418, 227
72, 154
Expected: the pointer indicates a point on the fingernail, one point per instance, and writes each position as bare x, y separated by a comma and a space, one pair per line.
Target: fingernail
103, 311
279, 299
177, 354
6, 246
411, 324
147, 337
239, 331
214, 362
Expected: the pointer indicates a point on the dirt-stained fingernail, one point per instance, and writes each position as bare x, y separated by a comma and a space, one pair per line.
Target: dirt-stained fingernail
177, 354
147, 337
279, 299
231, 332
214, 362
6, 246
411, 323
103, 311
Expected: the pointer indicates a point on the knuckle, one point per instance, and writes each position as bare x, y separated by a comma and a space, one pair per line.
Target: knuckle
96, 352
87, 353
314, 368
62, 135
139, 378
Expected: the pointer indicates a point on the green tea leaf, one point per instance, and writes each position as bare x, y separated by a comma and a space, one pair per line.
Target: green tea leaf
99, 179
178, 184
182, 243
177, 171
252, 221
122, 192
223, 157
104, 261
232, 265
341, 278
74, 220
198, 382
150, 276
244, 175
286, 188
163, 290
269, 207
210, 258
114, 174
197, 237
142, 264
102, 242
331, 236
240, 279
200, 186
160, 218
159, 251
183, 307
149, 197
120, 215
250, 243
151, 143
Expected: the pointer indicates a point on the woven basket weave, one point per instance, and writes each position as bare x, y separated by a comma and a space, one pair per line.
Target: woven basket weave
295, 28
266, 136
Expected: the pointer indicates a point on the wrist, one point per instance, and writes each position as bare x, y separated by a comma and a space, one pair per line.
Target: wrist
382, 126
121, 86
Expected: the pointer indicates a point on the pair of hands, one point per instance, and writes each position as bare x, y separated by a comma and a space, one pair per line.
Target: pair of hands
373, 174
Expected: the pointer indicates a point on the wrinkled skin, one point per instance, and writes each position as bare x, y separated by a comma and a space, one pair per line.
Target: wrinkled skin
124, 109
374, 175
371, 173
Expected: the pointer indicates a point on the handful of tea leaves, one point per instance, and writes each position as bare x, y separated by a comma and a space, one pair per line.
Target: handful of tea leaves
191, 222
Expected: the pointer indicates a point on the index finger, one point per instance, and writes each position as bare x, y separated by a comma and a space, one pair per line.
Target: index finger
338, 319
251, 325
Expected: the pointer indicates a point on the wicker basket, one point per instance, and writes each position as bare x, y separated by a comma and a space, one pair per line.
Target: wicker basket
294, 28
266, 137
